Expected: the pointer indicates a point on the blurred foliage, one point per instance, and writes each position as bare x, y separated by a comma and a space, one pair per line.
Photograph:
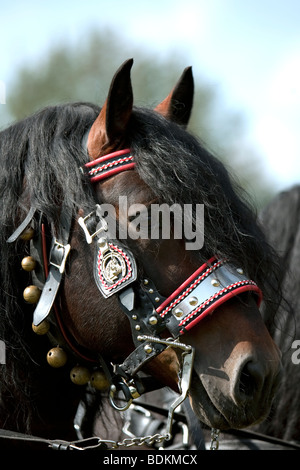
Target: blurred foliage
83, 72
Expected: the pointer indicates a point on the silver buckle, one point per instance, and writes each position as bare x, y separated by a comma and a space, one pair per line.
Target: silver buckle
82, 222
59, 246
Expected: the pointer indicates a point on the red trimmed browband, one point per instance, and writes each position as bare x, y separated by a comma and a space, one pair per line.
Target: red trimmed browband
109, 165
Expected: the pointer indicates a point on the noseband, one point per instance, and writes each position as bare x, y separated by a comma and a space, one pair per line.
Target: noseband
115, 273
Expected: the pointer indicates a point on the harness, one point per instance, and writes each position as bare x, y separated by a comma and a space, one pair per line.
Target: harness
115, 273
148, 312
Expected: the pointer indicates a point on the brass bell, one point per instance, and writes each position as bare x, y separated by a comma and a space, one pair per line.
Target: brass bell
32, 294
28, 263
80, 375
27, 234
42, 328
99, 381
56, 357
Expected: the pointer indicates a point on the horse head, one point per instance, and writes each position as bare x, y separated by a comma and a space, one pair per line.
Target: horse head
145, 262
236, 364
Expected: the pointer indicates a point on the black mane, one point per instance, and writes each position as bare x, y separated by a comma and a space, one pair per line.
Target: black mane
40, 160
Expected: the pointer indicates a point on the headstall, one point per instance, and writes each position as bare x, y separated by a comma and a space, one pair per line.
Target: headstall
115, 273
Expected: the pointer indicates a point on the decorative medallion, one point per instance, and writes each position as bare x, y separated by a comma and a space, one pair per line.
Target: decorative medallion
114, 267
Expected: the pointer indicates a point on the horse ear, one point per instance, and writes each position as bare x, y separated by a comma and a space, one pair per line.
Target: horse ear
108, 132
178, 105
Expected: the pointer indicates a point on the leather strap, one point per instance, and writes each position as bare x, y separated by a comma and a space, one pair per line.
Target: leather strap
109, 165
138, 358
22, 226
10, 440
48, 295
57, 260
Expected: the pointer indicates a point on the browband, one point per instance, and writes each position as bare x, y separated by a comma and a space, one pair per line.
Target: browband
109, 165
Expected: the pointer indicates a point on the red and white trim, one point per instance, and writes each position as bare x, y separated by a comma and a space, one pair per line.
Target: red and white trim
189, 285
121, 279
215, 282
110, 165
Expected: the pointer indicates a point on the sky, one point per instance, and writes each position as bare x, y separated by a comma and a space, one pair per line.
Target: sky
250, 48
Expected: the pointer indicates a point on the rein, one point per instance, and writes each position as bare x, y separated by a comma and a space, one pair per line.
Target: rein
115, 273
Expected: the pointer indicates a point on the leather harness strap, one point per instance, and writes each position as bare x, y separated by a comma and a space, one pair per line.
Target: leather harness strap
57, 260
12, 440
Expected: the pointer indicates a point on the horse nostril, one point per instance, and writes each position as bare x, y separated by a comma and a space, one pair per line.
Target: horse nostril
246, 384
251, 380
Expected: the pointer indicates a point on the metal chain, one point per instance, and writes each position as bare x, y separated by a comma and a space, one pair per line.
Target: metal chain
214, 439
98, 443
148, 440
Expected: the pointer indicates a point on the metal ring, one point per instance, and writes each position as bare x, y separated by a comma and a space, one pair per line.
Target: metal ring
123, 388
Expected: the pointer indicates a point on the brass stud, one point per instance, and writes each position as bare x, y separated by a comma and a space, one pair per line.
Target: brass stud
148, 349
102, 242
56, 357
150, 291
157, 299
215, 283
99, 381
146, 282
32, 294
80, 375
153, 320
137, 327
28, 263
193, 301
27, 234
42, 328
240, 270
178, 312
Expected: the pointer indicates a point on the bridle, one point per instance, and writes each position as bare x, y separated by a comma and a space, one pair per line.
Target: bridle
115, 273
